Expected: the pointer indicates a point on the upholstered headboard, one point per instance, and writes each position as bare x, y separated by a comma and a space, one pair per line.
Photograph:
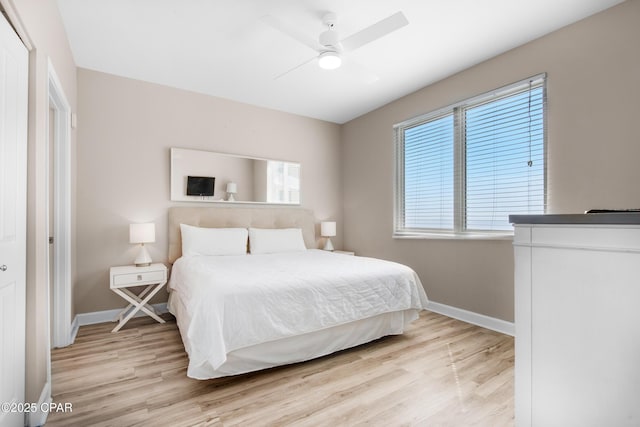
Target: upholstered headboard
219, 217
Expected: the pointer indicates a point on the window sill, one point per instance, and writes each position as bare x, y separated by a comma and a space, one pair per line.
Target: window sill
453, 236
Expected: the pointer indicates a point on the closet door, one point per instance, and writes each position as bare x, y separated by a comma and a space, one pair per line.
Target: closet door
13, 177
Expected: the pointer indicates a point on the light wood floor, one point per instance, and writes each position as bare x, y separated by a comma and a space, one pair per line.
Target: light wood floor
441, 372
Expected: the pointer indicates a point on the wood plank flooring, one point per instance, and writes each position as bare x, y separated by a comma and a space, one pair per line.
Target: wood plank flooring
441, 372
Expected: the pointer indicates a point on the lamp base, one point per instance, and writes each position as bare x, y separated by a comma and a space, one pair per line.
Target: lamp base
231, 198
328, 246
143, 259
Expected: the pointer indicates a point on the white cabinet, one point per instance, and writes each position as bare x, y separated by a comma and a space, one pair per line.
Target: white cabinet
577, 319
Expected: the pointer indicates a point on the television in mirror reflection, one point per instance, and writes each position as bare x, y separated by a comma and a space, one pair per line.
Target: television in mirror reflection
200, 185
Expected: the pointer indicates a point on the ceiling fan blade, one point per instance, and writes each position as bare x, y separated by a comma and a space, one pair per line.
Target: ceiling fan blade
375, 31
291, 31
295, 68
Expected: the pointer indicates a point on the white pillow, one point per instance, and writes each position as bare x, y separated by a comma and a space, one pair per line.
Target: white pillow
213, 241
274, 240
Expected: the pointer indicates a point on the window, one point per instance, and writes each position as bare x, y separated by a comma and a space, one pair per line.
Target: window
283, 180
462, 170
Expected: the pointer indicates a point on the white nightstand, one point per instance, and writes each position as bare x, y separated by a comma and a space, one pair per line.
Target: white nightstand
153, 278
344, 253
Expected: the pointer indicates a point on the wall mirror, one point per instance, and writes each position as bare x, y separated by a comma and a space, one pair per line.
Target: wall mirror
238, 179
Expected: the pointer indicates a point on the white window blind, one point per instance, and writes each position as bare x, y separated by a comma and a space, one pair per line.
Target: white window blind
428, 191
504, 160
465, 168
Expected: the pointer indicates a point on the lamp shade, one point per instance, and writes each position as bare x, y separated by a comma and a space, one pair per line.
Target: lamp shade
232, 187
142, 233
328, 228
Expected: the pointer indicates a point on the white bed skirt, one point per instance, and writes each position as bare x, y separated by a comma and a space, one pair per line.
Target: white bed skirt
293, 349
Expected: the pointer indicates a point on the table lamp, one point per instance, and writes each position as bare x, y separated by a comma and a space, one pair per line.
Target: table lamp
141, 234
232, 189
328, 230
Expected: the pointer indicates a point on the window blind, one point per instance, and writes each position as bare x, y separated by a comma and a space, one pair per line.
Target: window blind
504, 160
428, 172
465, 168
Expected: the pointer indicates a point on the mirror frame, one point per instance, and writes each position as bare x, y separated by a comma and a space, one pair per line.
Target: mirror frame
177, 191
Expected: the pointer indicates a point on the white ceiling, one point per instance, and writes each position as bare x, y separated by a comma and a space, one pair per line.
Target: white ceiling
224, 47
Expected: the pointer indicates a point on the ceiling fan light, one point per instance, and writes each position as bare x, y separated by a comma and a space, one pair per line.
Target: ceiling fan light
329, 60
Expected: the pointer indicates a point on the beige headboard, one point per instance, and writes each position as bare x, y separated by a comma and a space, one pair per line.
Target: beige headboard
219, 217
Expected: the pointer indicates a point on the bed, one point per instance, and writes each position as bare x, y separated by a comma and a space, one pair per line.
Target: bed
241, 312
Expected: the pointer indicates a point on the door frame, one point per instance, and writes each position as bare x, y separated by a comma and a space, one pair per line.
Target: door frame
62, 210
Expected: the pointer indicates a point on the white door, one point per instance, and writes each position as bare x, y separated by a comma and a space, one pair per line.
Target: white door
13, 190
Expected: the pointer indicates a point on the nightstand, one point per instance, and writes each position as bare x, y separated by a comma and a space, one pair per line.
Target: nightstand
153, 278
344, 253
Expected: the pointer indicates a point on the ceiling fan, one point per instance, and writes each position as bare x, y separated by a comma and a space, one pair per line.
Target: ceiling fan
329, 47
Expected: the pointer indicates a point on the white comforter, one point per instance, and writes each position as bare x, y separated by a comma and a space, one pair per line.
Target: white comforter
238, 301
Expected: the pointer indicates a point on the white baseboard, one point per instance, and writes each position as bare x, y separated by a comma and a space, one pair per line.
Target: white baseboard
74, 330
92, 318
39, 417
487, 322
492, 323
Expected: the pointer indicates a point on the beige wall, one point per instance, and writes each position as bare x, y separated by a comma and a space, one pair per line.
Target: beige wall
41, 27
593, 69
127, 128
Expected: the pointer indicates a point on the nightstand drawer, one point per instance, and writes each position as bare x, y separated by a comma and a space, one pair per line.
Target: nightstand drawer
142, 277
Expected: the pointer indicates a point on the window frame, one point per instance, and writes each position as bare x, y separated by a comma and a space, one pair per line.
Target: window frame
459, 162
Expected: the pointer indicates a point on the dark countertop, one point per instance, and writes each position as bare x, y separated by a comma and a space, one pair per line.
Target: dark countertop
588, 218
